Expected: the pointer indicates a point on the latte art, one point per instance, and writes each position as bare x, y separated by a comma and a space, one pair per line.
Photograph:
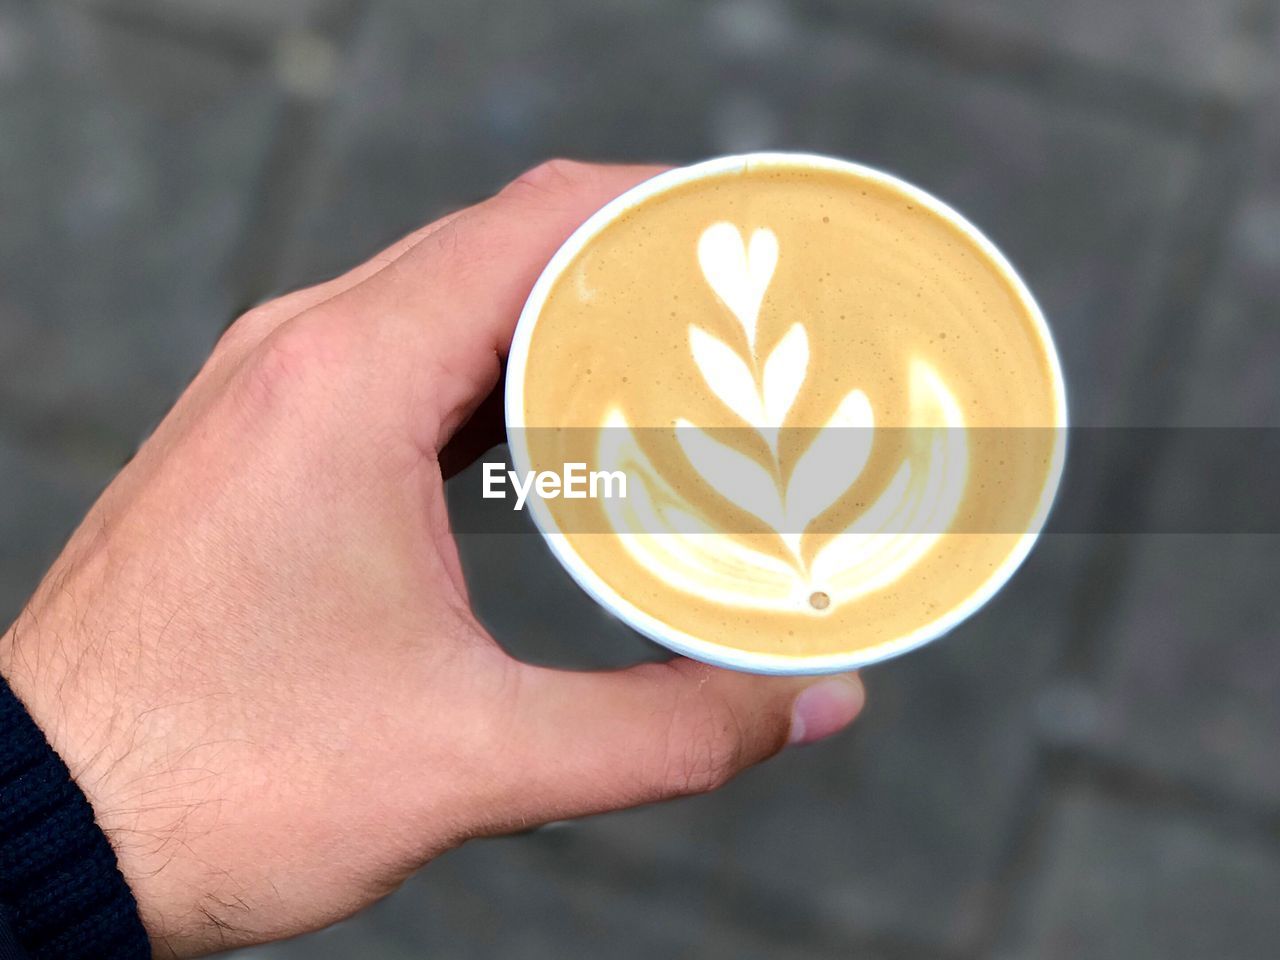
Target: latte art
664, 531
799, 371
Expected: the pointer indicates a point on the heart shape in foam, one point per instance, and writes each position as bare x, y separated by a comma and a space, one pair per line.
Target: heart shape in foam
739, 273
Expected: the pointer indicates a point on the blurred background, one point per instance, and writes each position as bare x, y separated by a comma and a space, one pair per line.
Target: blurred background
1090, 768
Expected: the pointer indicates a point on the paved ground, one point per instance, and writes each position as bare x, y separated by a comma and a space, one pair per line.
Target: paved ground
1088, 769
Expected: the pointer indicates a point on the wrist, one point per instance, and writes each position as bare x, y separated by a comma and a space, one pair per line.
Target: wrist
44, 663
60, 887
70, 682
90, 678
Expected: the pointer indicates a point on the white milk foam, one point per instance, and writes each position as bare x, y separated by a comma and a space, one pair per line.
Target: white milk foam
667, 535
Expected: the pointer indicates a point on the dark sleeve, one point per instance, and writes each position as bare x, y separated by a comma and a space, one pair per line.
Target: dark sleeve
9, 949
62, 896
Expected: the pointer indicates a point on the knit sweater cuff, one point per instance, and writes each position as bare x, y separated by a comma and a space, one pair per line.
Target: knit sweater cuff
60, 887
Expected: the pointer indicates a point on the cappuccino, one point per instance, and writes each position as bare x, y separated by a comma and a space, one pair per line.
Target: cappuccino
805, 370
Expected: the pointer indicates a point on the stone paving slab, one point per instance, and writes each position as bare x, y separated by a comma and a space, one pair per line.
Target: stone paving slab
253, 14
1235, 381
1220, 46
1190, 685
247, 23
127, 164
543, 896
1123, 881
1224, 47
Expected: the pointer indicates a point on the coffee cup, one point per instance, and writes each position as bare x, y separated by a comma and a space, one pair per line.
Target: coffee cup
837, 412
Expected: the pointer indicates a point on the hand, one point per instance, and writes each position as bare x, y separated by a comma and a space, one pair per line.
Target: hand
256, 654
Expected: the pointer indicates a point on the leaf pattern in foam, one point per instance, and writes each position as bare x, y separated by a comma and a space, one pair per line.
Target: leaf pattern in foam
832, 462
733, 475
727, 375
784, 373
737, 272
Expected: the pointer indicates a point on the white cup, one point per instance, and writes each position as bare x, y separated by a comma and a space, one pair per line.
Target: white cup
652, 627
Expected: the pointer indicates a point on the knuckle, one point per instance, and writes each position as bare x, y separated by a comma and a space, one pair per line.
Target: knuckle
299, 355
553, 176
248, 328
705, 756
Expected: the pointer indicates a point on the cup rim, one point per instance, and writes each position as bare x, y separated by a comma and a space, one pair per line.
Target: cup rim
677, 640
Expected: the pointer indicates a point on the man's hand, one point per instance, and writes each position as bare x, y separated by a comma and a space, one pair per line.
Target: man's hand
256, 654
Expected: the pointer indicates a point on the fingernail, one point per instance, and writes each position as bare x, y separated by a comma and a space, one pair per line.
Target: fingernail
825, 708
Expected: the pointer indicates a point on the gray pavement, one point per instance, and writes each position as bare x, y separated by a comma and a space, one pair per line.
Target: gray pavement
1087, 769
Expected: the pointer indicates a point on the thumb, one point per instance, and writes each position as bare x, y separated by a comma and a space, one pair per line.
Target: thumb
584, 743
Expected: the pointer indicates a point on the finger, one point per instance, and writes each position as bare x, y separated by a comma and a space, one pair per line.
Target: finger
589, 742
449, 304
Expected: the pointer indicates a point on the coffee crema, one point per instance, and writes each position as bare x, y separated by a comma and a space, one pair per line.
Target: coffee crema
789, 364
